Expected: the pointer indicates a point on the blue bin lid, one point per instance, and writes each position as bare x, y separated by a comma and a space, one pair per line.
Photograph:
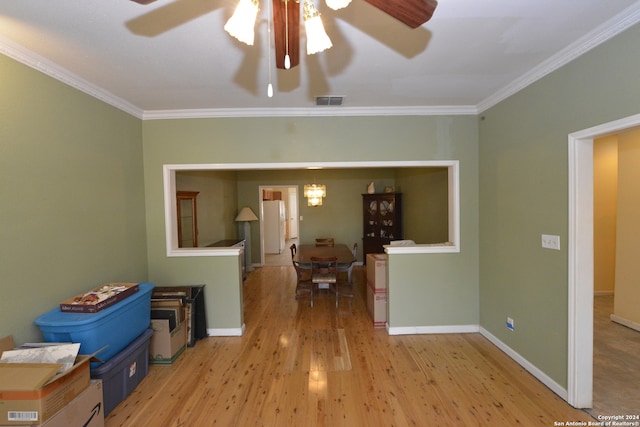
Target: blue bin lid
57, 317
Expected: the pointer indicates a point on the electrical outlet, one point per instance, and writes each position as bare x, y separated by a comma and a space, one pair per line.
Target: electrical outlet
510, 324
551, 242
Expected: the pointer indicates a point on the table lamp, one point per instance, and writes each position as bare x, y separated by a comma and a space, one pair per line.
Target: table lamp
246, 215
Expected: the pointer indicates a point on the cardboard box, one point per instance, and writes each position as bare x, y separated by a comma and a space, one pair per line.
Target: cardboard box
86, 410
166, 345
377, 271
377, 306
99, 298
31, 393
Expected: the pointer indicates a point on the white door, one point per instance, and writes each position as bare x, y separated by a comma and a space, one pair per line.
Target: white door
293, 215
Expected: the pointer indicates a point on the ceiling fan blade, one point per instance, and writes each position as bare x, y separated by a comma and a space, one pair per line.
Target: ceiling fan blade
412, 13
286, 14
144, 1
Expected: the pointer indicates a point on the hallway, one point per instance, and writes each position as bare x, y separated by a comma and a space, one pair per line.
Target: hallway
280, 259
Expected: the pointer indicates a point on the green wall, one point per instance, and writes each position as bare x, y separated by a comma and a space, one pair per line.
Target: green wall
339, 216
524, 193
318, 139
216, 203
72, 209
83, 205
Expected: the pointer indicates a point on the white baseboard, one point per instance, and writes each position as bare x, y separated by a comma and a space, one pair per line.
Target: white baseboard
227, 332
463, 329
446, 329
533, 370
626, 322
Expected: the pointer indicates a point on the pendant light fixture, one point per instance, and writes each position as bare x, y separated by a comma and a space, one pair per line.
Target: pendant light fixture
317, 38
338, 4
314, 194
242, 22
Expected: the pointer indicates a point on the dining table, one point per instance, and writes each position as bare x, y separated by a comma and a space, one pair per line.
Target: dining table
344, 256
340, 251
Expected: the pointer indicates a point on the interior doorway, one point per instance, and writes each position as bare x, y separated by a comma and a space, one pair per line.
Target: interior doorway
580, 283
289, 196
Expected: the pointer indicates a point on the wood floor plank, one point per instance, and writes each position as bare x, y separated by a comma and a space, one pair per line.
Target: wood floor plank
328, 366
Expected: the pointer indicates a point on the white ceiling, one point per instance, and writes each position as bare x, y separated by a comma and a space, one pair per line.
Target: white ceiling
172, 58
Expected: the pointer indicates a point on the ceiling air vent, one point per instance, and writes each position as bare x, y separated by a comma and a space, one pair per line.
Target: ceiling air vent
329, 100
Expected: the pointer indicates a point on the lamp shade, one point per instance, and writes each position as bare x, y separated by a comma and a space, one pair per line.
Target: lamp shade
338, 4
317, 38
242, 22
246, 214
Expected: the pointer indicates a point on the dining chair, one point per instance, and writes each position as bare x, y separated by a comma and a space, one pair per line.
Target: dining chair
303, 275
304, 283
348, 268
324, 270
325, 241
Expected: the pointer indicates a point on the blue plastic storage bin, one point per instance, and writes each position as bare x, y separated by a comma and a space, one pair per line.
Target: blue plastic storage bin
122, 374
114, 327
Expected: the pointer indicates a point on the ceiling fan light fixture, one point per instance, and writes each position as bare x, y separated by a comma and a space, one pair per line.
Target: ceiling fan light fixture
317, 38
338, 4
242, 22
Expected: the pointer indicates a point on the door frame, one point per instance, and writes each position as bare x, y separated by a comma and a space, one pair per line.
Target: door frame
297, 219
580, 247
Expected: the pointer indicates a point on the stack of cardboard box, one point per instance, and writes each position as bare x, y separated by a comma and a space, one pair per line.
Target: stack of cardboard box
169, 322
37, 394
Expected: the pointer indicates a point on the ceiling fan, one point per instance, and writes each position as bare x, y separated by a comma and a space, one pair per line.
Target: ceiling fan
286, 15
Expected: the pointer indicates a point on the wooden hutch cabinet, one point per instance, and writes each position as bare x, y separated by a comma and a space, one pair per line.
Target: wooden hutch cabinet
382, 221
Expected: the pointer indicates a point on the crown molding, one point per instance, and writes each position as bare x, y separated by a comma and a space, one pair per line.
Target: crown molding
310, 112
604, 32
45, 66
601, 34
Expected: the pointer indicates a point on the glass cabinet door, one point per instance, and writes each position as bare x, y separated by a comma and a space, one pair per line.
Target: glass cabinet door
187, 219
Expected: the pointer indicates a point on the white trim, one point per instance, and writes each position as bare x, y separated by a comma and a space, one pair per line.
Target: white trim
465, 329
602, 33
444, 110
580, 252
425, 330
226, 332
580, 274
314, 165
198, 252
169, 184
421, 249
51, 69
532, 369
616, 25
625, 322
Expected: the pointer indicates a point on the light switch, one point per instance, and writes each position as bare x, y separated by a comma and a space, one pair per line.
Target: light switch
551, 242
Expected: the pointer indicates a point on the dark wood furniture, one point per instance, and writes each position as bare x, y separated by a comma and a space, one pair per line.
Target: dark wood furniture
324, 271
340, 251
325, 241
187, 214
382, 221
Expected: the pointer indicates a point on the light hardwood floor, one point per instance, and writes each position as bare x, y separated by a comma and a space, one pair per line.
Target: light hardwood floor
322, 366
